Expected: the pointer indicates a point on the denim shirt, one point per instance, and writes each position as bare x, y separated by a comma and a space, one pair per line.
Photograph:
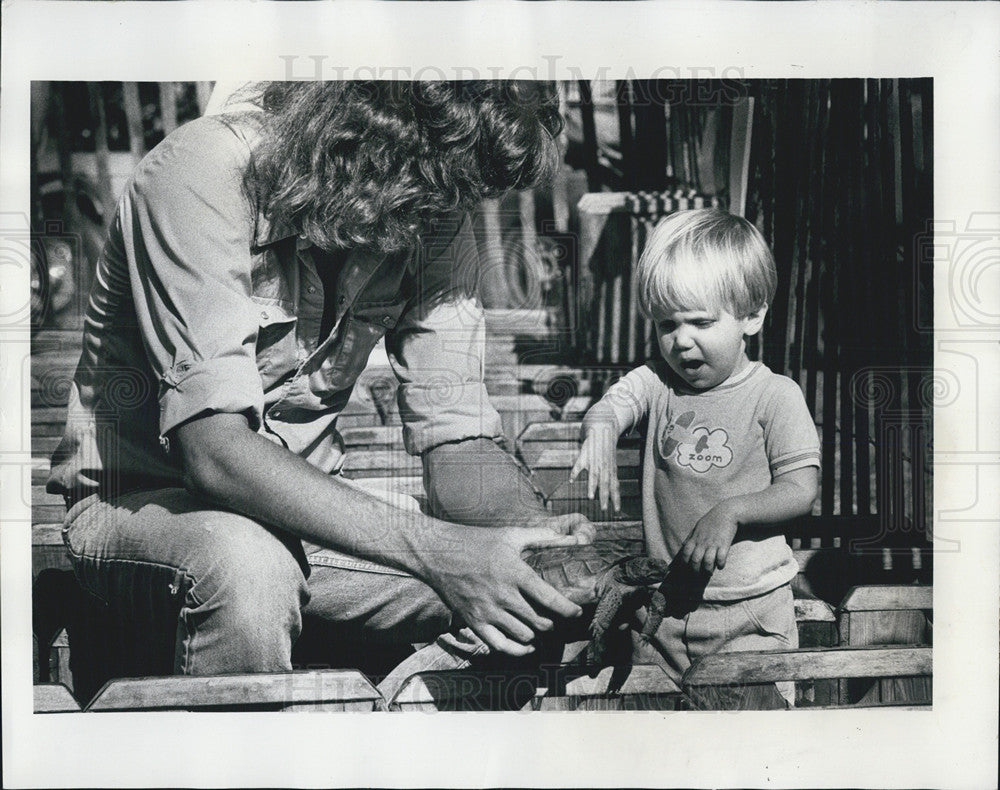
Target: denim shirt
201, 305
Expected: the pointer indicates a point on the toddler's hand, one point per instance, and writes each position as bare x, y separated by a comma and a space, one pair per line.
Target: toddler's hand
597, 456
707, 547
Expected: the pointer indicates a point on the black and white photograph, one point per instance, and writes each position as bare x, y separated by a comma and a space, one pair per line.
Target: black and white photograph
580, 407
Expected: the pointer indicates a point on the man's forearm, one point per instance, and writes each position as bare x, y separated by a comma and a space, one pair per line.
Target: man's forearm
230, 464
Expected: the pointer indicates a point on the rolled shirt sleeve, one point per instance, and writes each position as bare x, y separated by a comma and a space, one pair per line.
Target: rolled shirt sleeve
186, 228
437, 347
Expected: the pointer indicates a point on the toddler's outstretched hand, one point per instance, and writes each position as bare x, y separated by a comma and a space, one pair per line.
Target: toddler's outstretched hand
598, 457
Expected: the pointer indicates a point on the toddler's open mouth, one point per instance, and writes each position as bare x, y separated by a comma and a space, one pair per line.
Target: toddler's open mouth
691, 364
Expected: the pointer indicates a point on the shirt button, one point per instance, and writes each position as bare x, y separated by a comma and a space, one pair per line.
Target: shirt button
311, 289
276, 413
387, 319
342, 299
263, 314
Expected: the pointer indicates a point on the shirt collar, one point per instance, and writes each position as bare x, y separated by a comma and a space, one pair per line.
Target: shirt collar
267, 232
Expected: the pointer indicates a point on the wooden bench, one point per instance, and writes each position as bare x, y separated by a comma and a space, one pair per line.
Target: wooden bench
54, 698
312, 690
886, 614
639, 687
745, 681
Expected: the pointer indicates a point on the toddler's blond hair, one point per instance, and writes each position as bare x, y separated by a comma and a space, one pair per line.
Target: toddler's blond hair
704, 259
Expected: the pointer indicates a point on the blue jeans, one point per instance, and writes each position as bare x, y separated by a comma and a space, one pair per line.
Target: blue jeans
227, 595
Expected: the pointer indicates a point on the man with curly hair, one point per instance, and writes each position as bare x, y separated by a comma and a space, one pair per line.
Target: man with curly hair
253, 263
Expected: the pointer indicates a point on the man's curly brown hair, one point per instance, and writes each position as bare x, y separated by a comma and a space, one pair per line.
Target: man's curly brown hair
367, 163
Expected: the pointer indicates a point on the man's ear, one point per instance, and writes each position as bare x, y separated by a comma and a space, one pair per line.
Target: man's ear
755, 321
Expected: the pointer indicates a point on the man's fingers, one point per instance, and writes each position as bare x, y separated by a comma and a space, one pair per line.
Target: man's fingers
498, 642
575, 524
534, 589
521, 609
513, 628
536, 537
584, 531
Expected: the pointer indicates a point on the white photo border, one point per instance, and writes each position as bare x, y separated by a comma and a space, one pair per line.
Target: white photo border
953, 745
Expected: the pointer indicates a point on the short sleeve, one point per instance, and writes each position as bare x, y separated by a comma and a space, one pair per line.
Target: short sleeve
790, 437
186, 230
631, 396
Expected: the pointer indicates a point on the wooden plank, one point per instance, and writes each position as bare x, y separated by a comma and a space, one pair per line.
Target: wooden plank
643, 687
639, 687
814, 610
572, 498
373, 436
886, 615
48, 549
168, 106
409, 485
813, 664
888, 597
550, 431
563, 458
466, 690
380, 463
54, 698
331, 689
40, 469
44, 446
47, 513
521, 322
739, 155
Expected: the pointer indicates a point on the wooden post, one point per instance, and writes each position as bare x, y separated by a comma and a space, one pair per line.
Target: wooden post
133, 117
101, 152
168, 107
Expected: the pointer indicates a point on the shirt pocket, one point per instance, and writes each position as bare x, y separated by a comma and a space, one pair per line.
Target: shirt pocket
277, 352
362, 328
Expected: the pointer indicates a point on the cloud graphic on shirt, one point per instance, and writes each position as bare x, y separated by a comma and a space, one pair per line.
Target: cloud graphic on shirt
707, 450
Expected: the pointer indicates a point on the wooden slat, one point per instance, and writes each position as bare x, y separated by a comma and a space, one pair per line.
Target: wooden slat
815, 664
403, 484
886, 615
318, 690
54, 698
380, 463
739, 155
48, 549
639, 687
814, 610
44, 446
888, 597
374, 436
572, 498
562, 458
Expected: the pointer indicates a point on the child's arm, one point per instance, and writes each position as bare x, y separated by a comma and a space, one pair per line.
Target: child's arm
790, 494
598, 456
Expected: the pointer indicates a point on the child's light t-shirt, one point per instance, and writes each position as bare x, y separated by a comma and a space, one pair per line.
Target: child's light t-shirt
705, 446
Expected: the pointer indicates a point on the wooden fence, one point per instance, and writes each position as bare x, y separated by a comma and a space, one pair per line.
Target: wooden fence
840, 184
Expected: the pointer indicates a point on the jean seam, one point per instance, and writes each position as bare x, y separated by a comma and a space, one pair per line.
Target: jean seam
762, 630
329, 562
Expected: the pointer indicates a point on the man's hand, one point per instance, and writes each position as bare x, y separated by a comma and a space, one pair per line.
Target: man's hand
573, 524
707, 547
484, 581
598, 456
